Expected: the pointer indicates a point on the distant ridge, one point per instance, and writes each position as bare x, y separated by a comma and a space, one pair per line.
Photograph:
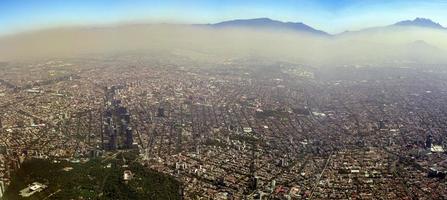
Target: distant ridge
267, 23
270, 24
420, 22
263, 24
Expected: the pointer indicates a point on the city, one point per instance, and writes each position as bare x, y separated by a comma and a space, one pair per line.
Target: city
240, 129
223, 100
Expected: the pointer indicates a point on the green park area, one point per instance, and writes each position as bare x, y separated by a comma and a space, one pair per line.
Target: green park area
99, 178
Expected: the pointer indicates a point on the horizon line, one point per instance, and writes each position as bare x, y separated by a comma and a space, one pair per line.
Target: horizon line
174, 22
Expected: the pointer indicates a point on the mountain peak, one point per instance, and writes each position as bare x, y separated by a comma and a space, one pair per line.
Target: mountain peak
420, 22
267, 23
260, 19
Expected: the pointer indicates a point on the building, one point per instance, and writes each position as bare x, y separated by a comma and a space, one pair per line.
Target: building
381, 125
437, 149
33, 188
429, 141
117, 133
160, 112
2, 188
127, 175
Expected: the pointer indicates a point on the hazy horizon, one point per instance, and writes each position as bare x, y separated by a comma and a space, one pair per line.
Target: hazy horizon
83, 27
223, 99
387, 44
330, 16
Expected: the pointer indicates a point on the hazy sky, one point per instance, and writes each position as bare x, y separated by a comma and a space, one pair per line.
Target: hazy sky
329, 15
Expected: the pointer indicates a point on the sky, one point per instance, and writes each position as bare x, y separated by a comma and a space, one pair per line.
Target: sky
332, 16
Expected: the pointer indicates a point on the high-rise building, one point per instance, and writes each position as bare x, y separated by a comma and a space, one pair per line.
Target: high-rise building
381, 125
3, 150
117, 134
2, 188
429, 141
129, 138
160, 112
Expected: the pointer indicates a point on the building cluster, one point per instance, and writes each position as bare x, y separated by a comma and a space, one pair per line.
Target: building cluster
117, 134
238, 129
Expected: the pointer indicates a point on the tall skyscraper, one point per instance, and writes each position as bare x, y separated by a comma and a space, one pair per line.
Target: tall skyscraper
160, 112
429, 141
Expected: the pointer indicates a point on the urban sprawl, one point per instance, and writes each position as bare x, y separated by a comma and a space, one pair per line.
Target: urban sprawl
235, 128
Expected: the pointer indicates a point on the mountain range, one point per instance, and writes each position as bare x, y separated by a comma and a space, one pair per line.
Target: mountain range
420, 22
269, 24
266, 23
419, 40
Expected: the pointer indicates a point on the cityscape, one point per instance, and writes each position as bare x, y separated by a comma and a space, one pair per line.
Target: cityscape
225, 121
237, 131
